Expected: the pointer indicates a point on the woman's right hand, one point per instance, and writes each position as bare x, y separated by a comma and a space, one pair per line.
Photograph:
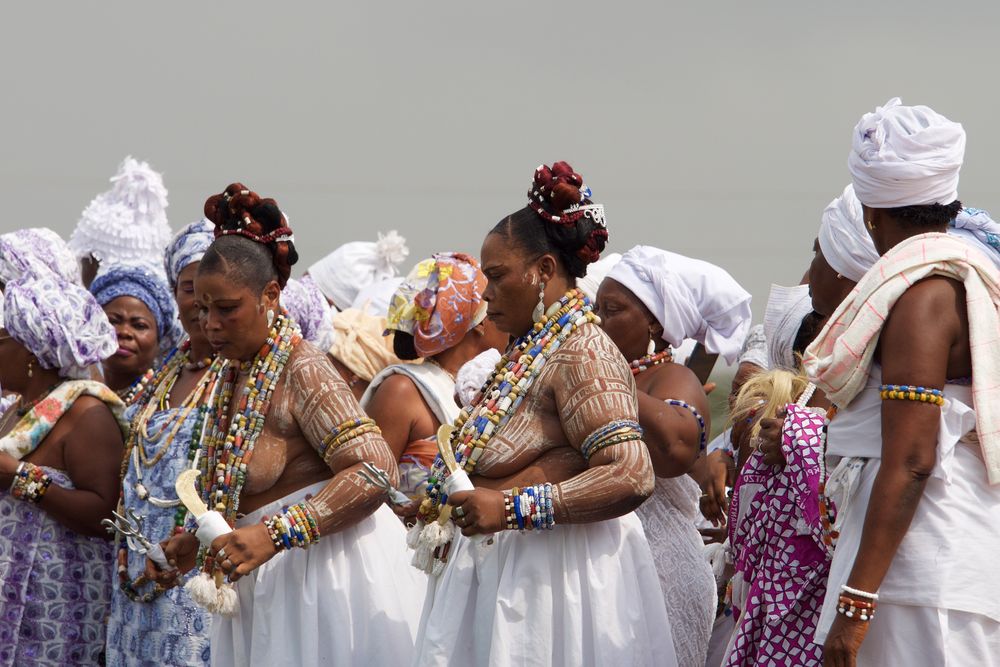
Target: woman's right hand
712, 473
181, 551
769, 440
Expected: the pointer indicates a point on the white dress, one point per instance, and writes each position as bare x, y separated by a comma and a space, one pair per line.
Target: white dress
686, 578
939, 603
351, 599
591, 593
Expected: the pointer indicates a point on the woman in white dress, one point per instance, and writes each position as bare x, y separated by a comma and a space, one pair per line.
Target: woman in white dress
584, 591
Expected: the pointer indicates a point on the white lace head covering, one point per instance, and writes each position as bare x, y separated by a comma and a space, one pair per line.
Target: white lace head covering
844, 239
906, 156
786, 307
689, 298
128, 223
353, 266
473, 373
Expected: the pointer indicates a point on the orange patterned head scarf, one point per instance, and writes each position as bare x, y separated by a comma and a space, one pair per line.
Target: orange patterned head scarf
439, 302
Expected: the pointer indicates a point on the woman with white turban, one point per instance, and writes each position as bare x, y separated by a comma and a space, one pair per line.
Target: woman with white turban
916, 448
60, 451
356, 265
674, 298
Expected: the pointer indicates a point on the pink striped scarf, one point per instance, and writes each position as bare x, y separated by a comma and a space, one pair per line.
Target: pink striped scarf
839, 360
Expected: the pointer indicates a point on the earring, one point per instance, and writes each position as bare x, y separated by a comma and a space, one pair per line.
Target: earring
270, 317
651, 348
539, 312
871, 226
840, 277
31, 368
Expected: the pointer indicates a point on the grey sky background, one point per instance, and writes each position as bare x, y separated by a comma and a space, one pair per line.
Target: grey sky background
718, 130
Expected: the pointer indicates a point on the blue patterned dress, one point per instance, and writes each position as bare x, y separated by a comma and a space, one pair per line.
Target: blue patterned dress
172, 629
54, 587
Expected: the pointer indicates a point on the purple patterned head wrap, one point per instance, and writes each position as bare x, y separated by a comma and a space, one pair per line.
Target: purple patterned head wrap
26, 249
59, 322
149, 287
188, 247
306, 304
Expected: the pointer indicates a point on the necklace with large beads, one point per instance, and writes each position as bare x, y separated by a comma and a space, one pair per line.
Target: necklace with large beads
227, 444
650, 360
504, 391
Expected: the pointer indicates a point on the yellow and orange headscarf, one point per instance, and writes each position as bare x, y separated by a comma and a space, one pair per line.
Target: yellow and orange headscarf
439, 302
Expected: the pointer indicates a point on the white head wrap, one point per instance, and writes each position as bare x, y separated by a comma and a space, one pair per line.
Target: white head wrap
975, 226
688, 297
755, 348
906, 156
358, 264
375, 298
472, 375
596, 272
844, 239
128, 223
786, 307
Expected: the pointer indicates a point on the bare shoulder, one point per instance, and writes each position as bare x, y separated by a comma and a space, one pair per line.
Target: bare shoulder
936, 299
673, 381
90, 418
394, 389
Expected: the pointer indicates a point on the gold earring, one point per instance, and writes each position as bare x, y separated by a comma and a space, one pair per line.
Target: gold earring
31, 369
871, 226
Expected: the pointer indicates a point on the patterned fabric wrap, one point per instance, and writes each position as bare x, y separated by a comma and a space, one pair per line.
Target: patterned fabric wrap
148, 286
29, 432
306, 305
841, 357
776, 533
188, 247
59, 322
977, 227
439, 302
27, 249
56, 586
172, 629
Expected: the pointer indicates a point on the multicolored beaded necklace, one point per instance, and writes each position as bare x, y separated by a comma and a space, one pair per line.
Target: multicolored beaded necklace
228, 443
502, 393
650, 360
147, 403
132, 393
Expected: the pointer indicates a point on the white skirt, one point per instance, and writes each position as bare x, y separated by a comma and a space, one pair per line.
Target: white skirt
352, 599
585, 594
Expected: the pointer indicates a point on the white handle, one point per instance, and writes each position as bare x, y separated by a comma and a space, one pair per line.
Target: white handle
156, 554
210, 526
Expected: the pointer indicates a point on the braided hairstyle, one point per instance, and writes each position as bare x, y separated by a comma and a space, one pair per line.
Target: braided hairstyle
252, 237
560, 219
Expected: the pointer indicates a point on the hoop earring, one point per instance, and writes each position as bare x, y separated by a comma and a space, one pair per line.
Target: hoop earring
539, 312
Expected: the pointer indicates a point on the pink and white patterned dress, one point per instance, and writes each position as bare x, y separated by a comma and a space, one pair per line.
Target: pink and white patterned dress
781, 562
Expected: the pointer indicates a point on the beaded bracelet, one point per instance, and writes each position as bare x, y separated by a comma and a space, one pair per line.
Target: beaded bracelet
702, 436
529, 508
859, 593
620, 430
896, 392
295, 526
349, 430
30, 483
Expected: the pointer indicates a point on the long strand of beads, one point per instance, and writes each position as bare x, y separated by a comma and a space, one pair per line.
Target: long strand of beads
503, 391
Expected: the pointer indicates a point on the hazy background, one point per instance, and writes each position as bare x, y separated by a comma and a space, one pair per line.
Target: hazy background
718, 130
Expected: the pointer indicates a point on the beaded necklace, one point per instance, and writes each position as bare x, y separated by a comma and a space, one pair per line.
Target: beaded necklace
650, 360
228, 443
502, 393
137, 388
146, 404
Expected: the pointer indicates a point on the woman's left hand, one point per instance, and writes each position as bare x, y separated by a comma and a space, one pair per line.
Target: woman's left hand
478, 512
843, 642
243, 550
